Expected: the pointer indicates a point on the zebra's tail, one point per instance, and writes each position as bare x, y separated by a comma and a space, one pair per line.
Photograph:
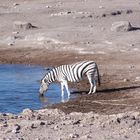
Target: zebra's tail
98, 75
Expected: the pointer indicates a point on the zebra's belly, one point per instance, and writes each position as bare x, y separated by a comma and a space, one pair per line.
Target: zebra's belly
74, 80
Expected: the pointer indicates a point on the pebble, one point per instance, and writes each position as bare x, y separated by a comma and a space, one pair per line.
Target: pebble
129, 11
56, 127
47, 6
15, 4
73, 135
10, 44
33, 125
132, 67
116, 13
42, 123
125, 80
76, 122
22, 25
121, 26
118, 120
27, 111
16, 128
137, 78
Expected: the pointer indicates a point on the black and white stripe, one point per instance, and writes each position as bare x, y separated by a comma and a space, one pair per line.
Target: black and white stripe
73, 73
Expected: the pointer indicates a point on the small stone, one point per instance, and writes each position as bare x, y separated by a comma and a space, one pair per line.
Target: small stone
113, 13
42, 123
22, 25
132, 45
103, 15
91, 26
15, 32
90, 16
131, 67
73, 135
5, 125
121, 26
69, 12
76, 122
16, 128
116, 13
101, 7
33, 125
56, 127
125, 80
129, 11
15, 4
118, 120
47, 6
27, 111
137, 78
10, 44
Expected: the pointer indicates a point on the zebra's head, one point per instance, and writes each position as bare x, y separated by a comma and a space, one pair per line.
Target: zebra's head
43, 86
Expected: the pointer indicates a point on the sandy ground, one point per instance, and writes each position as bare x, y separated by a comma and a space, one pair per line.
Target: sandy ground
67, 32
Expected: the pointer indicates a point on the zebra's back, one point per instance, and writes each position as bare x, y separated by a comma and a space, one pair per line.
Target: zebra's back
74, 72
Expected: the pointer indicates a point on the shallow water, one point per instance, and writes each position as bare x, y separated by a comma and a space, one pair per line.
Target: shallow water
19, 89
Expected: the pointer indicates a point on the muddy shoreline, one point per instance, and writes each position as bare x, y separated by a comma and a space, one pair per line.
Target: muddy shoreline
109, 91
111, 113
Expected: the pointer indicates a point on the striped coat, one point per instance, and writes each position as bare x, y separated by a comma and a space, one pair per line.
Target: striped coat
73, 73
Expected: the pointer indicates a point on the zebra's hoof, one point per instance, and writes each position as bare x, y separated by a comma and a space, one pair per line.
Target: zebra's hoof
41, 95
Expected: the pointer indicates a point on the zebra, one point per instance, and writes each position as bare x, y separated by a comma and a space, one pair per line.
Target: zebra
73, 73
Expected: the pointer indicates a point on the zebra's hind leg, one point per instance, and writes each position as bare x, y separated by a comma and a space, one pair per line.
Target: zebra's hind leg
91, 83
94, 88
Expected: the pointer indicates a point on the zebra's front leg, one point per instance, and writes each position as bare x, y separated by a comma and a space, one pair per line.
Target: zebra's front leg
91, 88
62, 92
67, 88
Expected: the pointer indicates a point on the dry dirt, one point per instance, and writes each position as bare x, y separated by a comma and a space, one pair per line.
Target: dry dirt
71, 31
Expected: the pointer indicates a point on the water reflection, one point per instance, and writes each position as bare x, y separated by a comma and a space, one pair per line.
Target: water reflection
47, 100
19, 89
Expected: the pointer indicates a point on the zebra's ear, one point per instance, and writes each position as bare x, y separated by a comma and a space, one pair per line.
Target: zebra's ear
48, 68
45, 80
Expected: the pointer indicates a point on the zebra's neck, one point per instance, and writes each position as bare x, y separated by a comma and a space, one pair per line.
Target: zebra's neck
50, 76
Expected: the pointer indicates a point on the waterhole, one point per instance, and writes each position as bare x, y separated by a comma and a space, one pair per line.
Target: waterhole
19, 89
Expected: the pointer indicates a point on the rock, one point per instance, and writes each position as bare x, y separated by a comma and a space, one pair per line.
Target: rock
121, 26
42, 123
5, 124
33, 125
73, 135
76, 122
126, 80
27, 114
131, 67
22, 25
104, 15
27, 111
129, 11
116, 13
15, 4
16, 128
137, 78
10, 44
56, 127
118, 120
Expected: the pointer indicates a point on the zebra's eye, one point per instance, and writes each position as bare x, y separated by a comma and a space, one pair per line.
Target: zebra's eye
45, 80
